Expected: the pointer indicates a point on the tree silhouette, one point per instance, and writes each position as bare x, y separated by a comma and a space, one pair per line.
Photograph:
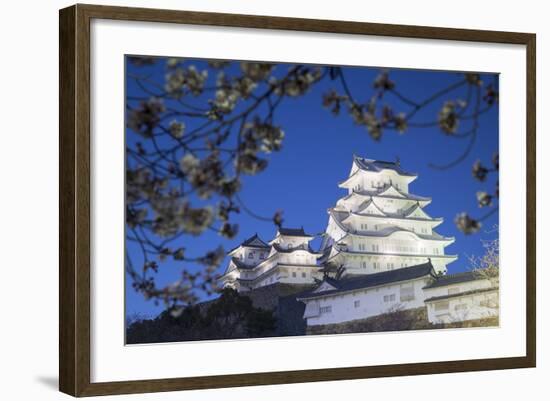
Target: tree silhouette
230, 316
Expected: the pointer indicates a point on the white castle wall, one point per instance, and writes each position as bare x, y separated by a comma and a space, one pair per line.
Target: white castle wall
468, 307
372, 301
375, 301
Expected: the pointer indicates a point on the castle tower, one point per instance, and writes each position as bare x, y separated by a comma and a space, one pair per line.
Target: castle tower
380, 225
286, 259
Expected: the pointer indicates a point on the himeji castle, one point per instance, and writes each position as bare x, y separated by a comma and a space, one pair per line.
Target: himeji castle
384, 248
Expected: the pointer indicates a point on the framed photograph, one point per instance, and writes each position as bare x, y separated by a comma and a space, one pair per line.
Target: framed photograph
250, 200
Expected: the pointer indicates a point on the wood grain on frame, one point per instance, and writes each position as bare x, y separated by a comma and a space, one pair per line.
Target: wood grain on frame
74, 199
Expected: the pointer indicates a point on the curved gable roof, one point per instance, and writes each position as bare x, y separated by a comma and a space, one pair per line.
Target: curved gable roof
370, 205
390, 190
255, 241
418, 210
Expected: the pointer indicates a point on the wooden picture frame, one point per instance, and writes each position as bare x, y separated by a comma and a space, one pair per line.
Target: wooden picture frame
75, 208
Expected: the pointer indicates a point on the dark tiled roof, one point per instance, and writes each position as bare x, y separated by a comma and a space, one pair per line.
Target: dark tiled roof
250, 242
456, 278
460, 294
373, 280
379, 165
332, 281
294, 232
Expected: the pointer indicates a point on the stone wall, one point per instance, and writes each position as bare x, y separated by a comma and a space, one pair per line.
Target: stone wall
281, 298
412, 319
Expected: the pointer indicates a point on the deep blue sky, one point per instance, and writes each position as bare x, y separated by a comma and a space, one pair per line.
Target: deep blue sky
317, 153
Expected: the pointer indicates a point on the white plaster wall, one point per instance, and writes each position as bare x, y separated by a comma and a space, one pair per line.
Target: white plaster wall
408, 242
460, 287
303, 275
286, 240
474, 308
354, 263
371, 303
299, 257
244, 253
371, 222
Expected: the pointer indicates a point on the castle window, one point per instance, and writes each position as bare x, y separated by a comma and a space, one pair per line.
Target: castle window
293, 274
390, 266
262, 255
376, 265
389, 298
251, 255
406, 294
357, 304
303, 274
441, 305
364, 265
325, 309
